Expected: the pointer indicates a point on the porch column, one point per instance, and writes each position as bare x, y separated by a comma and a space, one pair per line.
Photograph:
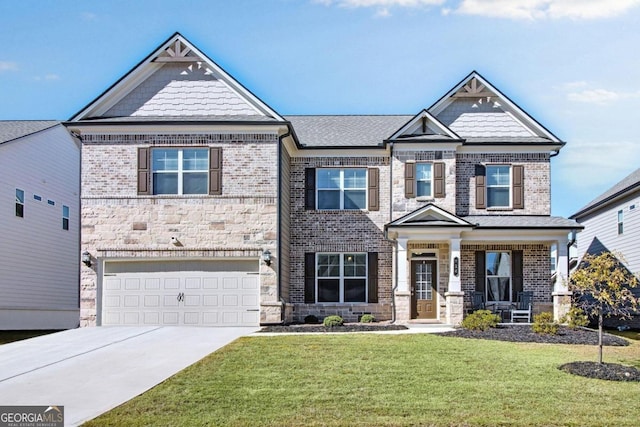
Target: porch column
403, 291
561, 294
454, 296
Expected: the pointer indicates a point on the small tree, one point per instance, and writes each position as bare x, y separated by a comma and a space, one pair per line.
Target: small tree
602, 287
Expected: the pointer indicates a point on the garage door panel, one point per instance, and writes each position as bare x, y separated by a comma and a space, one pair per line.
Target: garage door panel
207, 295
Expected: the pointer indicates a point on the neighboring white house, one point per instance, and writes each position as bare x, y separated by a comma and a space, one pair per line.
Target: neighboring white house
40, 245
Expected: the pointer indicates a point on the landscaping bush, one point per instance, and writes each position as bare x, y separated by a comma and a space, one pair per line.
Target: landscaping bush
367, 318
543, 324
481, 320
311, 319
575, 318
333, 321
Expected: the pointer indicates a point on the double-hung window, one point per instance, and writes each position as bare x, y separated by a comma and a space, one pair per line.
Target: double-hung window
498, 186
424, 180
341, 277
498, 276
341, 189
620, 222
180, 170
20, 203
65, 217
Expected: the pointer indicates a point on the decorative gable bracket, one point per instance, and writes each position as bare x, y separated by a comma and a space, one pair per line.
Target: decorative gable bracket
178, 52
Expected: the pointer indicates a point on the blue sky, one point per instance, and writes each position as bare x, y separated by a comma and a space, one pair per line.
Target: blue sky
572, 64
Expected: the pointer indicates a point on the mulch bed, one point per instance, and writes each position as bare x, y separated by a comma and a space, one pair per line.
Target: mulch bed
602, 371
347, 327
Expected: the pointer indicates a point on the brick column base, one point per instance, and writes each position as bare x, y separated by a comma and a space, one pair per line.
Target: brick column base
561, 304
270, 313
403, 306
455, 307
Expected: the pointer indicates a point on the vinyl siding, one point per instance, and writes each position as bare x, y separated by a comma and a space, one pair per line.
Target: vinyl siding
39, 261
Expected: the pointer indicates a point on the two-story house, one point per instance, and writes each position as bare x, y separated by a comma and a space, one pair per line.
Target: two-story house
202, 205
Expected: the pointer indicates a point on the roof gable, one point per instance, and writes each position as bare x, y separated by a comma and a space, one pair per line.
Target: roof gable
424, 127
430, 215
477, 111
177, 80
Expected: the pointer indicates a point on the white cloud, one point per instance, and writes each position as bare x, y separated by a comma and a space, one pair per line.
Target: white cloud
383, 7
8, 66
600, 96
47, 77
546, 9
88, 16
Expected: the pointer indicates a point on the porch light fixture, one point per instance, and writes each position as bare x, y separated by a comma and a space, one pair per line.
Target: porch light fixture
266, 256
86, 258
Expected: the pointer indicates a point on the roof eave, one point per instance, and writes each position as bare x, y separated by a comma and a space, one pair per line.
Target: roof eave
595, 206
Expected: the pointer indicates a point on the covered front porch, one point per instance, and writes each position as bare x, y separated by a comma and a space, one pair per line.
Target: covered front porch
442, 261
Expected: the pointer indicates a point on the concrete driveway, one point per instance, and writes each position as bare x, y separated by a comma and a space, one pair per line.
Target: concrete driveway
92, 370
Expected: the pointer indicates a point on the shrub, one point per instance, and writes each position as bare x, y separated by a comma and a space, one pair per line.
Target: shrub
311, 319
481, 320
575, 318
332, 321
367, 318
543, 324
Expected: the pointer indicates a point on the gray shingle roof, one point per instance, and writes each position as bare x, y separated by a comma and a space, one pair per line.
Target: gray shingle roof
521, 221
630, 182
345, 131
212, 118
13, 129
512, 139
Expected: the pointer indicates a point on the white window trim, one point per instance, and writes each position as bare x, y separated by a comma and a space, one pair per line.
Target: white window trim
342, 277
342, 189
620, 222
487, 276
180, 171
421, 197
487, 187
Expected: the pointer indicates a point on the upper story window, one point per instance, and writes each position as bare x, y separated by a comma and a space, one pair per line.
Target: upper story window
341, 277
498, 186
341, 189
424, 175
180, 171
620, 222
65, 217
20, 203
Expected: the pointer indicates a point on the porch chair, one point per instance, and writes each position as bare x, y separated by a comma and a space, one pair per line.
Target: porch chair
477, 302
523, 307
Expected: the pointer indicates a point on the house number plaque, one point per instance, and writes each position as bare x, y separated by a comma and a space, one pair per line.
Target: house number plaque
456, 266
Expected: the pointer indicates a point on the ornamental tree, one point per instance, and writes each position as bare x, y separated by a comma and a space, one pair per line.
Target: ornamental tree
602, 287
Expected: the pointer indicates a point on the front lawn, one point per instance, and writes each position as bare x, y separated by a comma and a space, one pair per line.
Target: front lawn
386, 380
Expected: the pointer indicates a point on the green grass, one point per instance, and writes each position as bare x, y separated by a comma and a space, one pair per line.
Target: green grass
11, 336
385, 380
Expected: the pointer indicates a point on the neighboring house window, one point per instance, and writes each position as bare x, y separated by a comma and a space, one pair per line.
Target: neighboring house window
423, 180
498, 186
180, 171
620, 222
341, 277
341, 189
20, 203
498, 276
65, 217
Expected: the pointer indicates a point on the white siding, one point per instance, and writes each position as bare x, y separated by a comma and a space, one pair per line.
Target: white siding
603, 226
39, 261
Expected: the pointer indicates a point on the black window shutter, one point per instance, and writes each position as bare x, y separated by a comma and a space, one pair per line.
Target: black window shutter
309, 278
438, 180
517, 273
310, 188
481, 271
518, 187
409, 180
215, 171
481, 191
374, 190
372, 281
143, 170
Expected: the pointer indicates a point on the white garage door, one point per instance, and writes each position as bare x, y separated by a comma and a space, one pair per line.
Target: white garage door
190, 293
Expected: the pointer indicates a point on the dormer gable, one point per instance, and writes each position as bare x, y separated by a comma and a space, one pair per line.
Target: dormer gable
424, 127
178, 81
430, 215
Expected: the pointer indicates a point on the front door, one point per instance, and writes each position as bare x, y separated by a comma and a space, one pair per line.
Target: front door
423, 289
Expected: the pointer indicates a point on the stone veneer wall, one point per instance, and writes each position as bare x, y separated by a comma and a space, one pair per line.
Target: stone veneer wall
537, 182
116, 222
338, 231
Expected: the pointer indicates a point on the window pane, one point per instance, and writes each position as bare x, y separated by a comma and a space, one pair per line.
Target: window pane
195, 183
498, 289
355, 178
195, 159
65, 223
423, 188
329, 178
328, 199
65, 211
165, 183
355, 290
498, 264
328, 265
19, 210
328, 290
498, 175
355, 265
19, 196
165, 160
355, 199
423, 171
497, 197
